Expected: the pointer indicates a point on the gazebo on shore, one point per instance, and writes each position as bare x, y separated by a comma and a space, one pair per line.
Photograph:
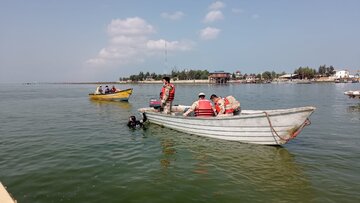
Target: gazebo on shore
219, 77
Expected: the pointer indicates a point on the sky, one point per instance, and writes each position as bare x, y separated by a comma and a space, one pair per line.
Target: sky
103, 40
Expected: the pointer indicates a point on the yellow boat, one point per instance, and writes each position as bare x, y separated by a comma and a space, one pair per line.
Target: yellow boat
122, 95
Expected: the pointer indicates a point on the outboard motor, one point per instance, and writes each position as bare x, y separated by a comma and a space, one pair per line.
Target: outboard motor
156, 104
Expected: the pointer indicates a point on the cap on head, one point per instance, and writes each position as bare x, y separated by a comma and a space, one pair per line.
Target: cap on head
201, 94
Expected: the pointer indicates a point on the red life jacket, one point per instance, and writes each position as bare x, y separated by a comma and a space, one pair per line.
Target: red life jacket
204, 108
171, 93
227, 107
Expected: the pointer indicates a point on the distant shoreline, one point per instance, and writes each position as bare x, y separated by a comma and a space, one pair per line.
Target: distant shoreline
281, 81
181, 82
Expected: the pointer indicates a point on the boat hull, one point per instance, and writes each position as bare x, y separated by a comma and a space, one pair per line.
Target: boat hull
353, 94
269, 127
122, 95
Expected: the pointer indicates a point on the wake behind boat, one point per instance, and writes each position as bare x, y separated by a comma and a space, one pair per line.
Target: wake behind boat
122, 95
267, 127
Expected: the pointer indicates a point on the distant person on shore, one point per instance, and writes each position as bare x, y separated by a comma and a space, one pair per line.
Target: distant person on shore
98, 90
201, 107
167, 95
222, 106
107, 90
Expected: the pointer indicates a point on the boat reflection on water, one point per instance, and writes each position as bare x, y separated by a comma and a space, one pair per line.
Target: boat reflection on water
224, 167
121, 104
354, 108
168, 151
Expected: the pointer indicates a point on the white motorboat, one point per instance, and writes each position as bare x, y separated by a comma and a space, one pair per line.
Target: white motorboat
353, 94
267, 127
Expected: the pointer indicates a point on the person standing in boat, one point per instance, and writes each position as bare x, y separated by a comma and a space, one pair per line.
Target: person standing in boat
222, 106
201, 107
167, 95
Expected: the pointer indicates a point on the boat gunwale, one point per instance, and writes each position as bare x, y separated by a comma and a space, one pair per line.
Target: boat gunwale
112, 94
257, 114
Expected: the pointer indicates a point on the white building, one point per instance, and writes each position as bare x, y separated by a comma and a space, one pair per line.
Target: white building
341, 74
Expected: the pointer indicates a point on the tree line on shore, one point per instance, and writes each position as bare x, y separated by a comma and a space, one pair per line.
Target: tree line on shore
302, 72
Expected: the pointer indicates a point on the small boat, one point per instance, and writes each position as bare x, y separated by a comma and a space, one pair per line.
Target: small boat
353, 94
122, 95
266, 127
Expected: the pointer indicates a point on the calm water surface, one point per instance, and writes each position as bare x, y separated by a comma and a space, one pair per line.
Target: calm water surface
58, 146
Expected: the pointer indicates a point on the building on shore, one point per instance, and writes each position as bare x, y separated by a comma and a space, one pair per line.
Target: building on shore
342, 74
219, 77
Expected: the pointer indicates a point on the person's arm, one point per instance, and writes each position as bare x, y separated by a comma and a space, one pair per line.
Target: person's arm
165, 96
214, 110
191, 109
221, 104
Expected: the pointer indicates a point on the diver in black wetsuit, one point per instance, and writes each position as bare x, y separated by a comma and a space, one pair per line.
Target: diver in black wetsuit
133, 123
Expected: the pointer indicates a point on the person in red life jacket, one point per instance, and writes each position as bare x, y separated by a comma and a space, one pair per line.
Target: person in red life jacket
113, 89
222, 106
201, 107
167, 95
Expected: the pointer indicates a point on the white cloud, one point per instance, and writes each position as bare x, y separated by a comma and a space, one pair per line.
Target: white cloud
130, 26
209, 33
213, 16
170, 46
173, 16
129, 43
217, 5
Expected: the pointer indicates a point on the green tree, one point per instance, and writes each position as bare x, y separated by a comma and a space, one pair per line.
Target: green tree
204, 75
305, 73
266, 75
322, 70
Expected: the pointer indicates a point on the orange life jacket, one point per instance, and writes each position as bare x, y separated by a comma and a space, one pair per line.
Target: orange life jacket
204, 108
171, 93
227, 105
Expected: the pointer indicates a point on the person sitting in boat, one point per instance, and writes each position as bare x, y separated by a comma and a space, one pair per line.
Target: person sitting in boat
107, 90
98, 90
235, 104
201, 107
113, 89
222, 106
167, 95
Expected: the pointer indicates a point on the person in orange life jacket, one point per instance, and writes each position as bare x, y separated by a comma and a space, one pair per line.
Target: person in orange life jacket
167, 95
201, 107
222, 106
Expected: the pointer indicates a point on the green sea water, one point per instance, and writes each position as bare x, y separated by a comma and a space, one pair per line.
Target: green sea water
56, 145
